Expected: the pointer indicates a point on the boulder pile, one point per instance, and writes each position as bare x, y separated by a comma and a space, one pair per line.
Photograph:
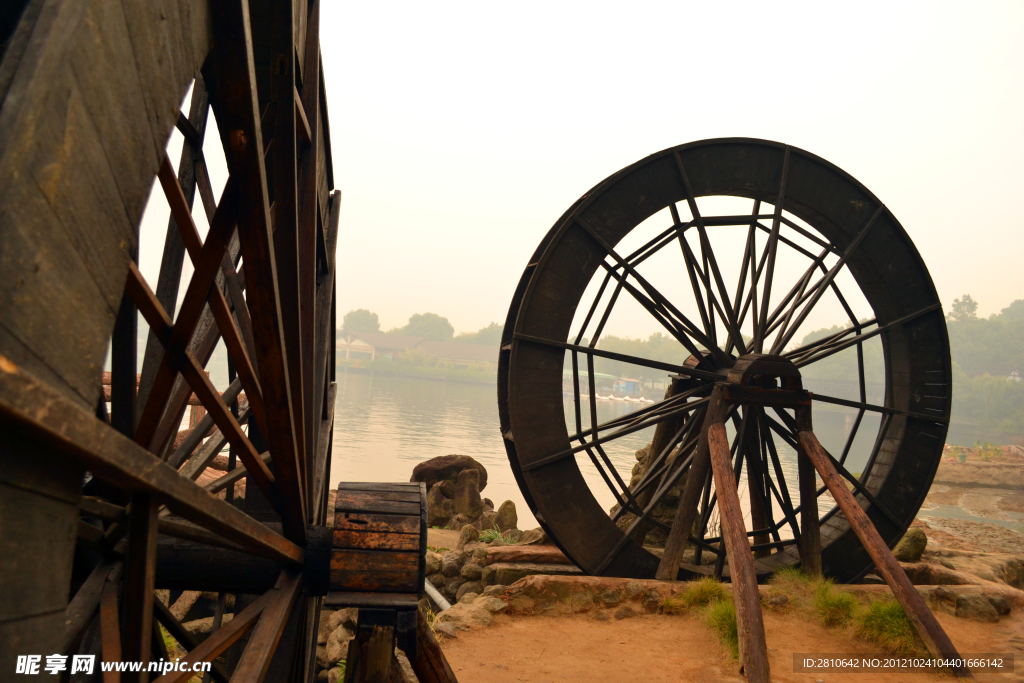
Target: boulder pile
665, 511
454, 483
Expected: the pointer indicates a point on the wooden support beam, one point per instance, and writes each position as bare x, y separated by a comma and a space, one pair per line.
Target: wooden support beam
36, 408
370, 654
749, 622
138, 585
686, 512
936, 640
265, 637
430, 664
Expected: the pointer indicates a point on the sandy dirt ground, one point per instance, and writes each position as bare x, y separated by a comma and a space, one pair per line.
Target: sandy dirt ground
657, 648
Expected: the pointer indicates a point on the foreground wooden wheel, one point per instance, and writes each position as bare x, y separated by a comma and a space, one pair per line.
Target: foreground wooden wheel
93, 504
829, 225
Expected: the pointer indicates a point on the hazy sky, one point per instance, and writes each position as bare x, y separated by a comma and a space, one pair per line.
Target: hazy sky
462, 131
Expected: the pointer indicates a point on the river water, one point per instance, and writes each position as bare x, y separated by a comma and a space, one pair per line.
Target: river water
384, 426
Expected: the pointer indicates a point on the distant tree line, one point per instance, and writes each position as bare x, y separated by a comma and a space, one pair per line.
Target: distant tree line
427, 325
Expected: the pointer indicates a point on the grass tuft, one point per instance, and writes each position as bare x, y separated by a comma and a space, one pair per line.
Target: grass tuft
721, 618
698, 593
489, 535
885, 623
834, 607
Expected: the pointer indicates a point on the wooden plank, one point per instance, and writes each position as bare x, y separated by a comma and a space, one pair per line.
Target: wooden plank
265, 637
385, 507
321, 464
376, 581
58, 422
110, 630
686, 511
749, 621
370, 654
219, 641
374, 560
397, 487
238, 117
339, 599
388, 524
344, 538
936, 640
430, 664
138, 585
352, 499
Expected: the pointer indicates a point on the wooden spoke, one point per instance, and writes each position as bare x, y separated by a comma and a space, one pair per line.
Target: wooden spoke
139, 579
181, 634
772, 248
221, 640
82, 608
202, 429
110, 629
267, 633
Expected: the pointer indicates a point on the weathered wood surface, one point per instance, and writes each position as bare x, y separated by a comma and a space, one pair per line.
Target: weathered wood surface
749, 621
924, 620
266, 635
388, 524
370, 655
430, 664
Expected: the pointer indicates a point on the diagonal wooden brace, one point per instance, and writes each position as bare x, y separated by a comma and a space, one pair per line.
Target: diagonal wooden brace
749, 622
924, 621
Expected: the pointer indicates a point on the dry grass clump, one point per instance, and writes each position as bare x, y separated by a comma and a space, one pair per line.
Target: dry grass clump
834, 607
885, 623
698, 593
721, 618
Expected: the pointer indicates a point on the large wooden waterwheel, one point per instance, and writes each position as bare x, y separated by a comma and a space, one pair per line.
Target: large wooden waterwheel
99, 506
805, 235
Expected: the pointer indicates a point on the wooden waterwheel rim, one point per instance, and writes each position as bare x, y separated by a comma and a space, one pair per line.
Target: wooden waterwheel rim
89, 95
817, 204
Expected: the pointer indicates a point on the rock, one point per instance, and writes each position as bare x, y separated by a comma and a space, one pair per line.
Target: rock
539, 554
611, 598
406, 665
1001, 604
433, 563
509, 573
464, 616
334, 675
468, 596
468, 587
447, 468
337, 645
472, 572
488, 504
911, 546
487, 577
458, 521
447, 488
204, 625
602, 616
625, 612
778, 600
344, 617
494, 591
480, 555
975, 606
532, 537
321, 677
468, 535
451, 589
505, 517
467, 494
321, 657
324, 627
437, 580
491, 604
451, 562
440, 508
445, 630
486, 520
